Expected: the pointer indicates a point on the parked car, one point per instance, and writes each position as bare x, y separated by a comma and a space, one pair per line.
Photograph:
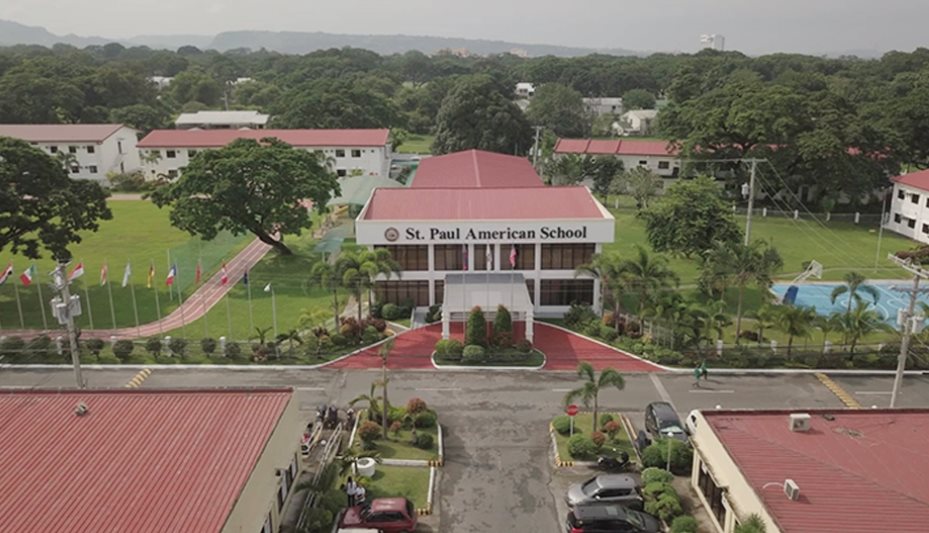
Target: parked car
610, 518
390, 515
621, 489
661, 421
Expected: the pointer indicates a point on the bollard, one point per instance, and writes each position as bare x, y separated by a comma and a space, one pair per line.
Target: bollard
796, 214
166, 343
773, 346
857, 217
616, 203
222, 345
59, 345
828, 216
764, 212
827, 346
719, 347
112, 340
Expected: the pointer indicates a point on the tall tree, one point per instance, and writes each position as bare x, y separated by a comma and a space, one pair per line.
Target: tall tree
860, 322
560, 109
40, 206
335, 103
647, 276
854, 283
589, 392
795, 321
476, 114
249, 186
324, 274
610, 269
639, 182
638, 99
360, 268
690, 218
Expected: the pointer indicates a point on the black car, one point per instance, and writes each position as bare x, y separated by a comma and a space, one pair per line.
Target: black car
610, 518
661, 421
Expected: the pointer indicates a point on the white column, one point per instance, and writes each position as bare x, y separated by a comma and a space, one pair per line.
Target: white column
529, 329
497, 262
445, 323
537, 282
432, 274
471, 257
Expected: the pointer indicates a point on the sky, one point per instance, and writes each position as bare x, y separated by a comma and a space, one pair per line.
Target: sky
752, 26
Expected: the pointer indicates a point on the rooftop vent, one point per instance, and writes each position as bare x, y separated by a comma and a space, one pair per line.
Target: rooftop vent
791, 489
800, 422
81, 409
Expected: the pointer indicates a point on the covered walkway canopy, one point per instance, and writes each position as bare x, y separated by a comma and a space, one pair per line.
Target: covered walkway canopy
464, 291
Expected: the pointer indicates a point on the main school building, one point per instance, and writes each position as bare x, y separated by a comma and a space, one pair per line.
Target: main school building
479, 228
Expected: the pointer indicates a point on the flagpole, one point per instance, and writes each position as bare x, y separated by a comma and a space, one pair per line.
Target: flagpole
170, 289
251, 318
200, 284
90, 311
161, 330
135, 310
274, 312
19, 307
228, 316
42, 306
109, 290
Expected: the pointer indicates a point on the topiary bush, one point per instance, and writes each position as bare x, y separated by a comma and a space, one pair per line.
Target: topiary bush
390, 312
233, 351
607, 333
655, 489
612, 428
503, 321
579, 314
13, 347
339, 340
415, 406
434, 314
684, 524
208, 345
581, 446
476, 328
395, 413
653, 474
95, 346
423, 441
666, 507
425, 419
449, 349
369, 431
474, 354
178, 346
370, 335
524, 346
604, 418
153, 346
562, 424
38, 348
599, 438
108, 359
123, 348
395, 427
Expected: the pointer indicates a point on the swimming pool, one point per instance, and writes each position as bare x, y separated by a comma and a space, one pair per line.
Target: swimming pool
818, 295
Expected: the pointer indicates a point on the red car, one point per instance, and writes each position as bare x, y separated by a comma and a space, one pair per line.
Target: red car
390, 515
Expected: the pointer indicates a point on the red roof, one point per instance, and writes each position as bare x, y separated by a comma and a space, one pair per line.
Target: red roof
218, 138
139, 460
63, 133
518, 203
476, 168
862, 471
917, 180
616, 147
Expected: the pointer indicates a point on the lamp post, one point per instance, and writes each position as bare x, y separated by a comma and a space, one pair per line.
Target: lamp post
64, 308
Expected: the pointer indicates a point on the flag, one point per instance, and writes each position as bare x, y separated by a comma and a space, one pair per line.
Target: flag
151, 276
104, 272
224, 277
7, 272
27, 275
198, 273
514, 254
76, 272
126, 273
172, 273
245, 278
268, 287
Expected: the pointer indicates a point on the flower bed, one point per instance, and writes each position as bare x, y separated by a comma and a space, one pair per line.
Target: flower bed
500, 357
611, 446
400, 443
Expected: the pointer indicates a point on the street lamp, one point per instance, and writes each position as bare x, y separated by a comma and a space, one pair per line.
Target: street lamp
64, 308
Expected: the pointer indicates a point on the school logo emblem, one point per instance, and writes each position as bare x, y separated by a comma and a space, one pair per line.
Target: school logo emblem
391, 234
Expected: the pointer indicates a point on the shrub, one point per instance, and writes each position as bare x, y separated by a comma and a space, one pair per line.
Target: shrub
390, 312
579, 314
379, 324
395, 427
476, 328
503, 322
326, 344
684, 524
153, 346
415, 406
607, 333
423, 441
666, 507
562, 424
377, 310
370, 335
604, 418
655, 489
656, 455
395, 413
407, 421
449, 349
426, 419
13, 347
339, 340
350, 328
599, 438
178, 346
369, 431
612, 429
652, 474
752, 524
95, 346
474, 354
208, 345
503, 339
123, 348
434, 314
233, 350
39, 347
591, 329
107, 359
609, 319
581, 446
524, 346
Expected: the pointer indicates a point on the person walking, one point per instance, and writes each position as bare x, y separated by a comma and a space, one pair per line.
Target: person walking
351, 488
698, 371
704, 372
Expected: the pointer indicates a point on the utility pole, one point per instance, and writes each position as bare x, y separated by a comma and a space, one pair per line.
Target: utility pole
65, 307
535, 149
908, 321
751, 203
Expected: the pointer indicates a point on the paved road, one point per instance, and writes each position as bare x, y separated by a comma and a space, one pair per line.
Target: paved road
498, 474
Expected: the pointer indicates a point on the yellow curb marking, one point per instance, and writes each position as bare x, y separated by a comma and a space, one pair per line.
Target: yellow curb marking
837, 389
137, 380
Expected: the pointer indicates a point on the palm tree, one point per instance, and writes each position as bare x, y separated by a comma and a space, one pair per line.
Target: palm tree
828, 324
609, 268
324, 274
752, 524
795, 322
384, 353
854, 282
744, 264
590, 390
860, 322
764, 318
696, 325
290, 337
647, 275
717, 317
358, 270
374, 407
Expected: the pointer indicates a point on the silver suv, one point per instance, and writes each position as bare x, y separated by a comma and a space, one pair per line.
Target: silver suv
622, 489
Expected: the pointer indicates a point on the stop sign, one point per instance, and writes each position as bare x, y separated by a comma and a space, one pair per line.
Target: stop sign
571, 410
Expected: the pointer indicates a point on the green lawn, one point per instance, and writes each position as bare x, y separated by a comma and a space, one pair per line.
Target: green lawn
139, 233
399, 447
583, 424
417, 144
408, 482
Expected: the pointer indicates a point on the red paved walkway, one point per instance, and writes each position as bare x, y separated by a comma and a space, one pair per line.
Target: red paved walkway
563, 351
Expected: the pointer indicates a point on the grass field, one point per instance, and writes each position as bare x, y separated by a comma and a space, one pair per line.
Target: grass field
417, 144
139, 233
408, 482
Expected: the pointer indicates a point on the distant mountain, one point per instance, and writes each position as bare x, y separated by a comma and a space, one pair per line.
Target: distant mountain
12, 33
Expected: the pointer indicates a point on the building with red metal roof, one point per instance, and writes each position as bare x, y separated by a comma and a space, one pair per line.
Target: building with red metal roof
364, 152
661, 157
813, 471
147, 460
909, 206
479, 217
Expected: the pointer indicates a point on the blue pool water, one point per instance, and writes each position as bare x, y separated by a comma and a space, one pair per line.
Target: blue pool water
818, 295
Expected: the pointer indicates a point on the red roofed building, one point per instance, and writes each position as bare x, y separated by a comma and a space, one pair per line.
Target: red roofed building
909, 207
814, 471
487, 224
147, 460
661, 157
363, 152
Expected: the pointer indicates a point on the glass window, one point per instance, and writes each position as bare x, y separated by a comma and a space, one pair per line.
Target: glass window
399, 292
897, 218
53, 149
524, 256
567, 291
72, 149
409, 257
900, 194
92, 169
643, 163
914, 198
925, 228
340, 153
172, 173
439, 292
91, 149
356, 153
566, 256
911, 222
75, 170
170, 154
191, 153
451, 257
341, 173
483, 257
664, 165
712, 493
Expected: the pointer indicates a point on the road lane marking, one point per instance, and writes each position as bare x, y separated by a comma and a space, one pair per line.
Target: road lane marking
137, 380
562, 390
663, 392
439, 389
837, 389
711, 391
873, 393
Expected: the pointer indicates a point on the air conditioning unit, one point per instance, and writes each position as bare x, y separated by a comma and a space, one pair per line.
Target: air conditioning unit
791, 489
800, 422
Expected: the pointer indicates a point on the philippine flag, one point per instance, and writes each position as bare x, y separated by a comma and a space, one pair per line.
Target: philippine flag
224, 278
77, 272
7, 272
171, 275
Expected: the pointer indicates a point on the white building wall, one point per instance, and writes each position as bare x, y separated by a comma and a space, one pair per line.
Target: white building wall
94, 160
909, 213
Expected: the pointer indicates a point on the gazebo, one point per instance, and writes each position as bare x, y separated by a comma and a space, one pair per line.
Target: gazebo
464, 291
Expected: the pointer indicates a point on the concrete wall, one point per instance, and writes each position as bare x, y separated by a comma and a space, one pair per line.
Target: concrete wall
105, 158
258, 499
739, 498
905, 211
